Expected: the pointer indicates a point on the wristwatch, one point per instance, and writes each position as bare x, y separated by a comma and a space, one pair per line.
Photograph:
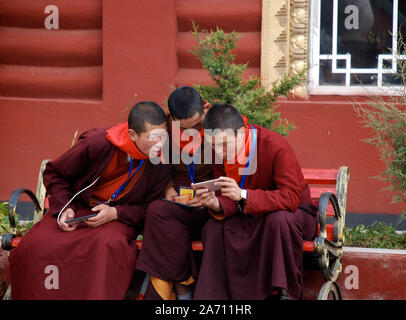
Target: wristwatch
241, 202
243, 195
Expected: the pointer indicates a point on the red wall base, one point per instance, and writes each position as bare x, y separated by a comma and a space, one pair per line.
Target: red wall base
368, 274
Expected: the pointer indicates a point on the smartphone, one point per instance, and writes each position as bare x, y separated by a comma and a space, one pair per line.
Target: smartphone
80, 219
209, 184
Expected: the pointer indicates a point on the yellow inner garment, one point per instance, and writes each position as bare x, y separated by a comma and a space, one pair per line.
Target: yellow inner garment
165, 288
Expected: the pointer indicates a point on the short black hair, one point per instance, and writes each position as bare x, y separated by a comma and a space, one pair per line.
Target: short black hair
223, 116
184, 102
145, 112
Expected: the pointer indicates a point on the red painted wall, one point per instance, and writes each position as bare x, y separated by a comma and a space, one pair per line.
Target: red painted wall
329, 135
145, 51
139, 56
368, 274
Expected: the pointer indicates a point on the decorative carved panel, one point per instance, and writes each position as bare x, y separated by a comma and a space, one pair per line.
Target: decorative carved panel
284, 43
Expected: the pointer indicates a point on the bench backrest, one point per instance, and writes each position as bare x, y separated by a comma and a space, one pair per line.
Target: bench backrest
319, 180
329, 180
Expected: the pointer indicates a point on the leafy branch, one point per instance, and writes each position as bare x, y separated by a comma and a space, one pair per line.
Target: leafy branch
215, 51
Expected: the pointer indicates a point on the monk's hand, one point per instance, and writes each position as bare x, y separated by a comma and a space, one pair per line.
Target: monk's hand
171, 193
105, 214
207, 198
196, 204
229, 188
67, 215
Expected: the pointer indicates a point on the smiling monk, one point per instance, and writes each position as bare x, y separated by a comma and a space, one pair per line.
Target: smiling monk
108, 172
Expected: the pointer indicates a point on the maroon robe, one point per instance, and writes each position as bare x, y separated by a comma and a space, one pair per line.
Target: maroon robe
170, 228
247, 255
91, 263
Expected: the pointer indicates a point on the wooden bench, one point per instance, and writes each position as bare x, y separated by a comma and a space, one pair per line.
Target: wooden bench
328, 191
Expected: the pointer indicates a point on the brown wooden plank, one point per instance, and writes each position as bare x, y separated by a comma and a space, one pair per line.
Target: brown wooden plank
197, 246
330, 210
320, 176
308, 246
330, 231
317, 191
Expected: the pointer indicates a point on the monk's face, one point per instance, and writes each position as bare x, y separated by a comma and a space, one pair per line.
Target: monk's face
195, 122
152, 139
226, 144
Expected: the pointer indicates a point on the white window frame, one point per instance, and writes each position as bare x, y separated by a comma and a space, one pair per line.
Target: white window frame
315, 57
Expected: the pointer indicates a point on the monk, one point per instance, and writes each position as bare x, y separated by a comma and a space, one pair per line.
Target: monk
260, 217
109, 172
166, 256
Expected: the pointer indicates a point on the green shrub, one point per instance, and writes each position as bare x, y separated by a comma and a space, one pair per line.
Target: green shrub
386, 117
377, 235
214, 50
22, 227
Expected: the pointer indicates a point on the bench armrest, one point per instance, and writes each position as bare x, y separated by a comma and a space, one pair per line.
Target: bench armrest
325, 199
14, 198
330, 252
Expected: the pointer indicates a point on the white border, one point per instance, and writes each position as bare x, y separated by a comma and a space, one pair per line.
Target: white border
373, 250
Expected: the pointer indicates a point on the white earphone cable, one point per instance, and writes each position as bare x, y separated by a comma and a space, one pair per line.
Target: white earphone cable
80, 191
